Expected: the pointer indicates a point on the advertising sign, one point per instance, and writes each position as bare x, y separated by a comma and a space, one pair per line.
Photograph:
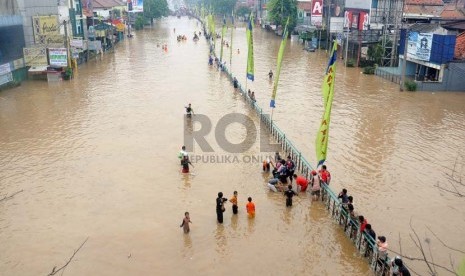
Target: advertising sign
35, 56
137, 5
5, 69
317, 13
95, 45
424, 43
77, 43
358, 4
336, 25
58, 56
419, 45
6, 78
364, 21
87, 8
337, 8
46, 28
347, 19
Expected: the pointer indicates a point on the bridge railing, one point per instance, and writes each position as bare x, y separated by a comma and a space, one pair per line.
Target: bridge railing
363, 242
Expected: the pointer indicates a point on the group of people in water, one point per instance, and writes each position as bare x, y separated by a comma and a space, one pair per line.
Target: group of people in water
180, 38
283, 173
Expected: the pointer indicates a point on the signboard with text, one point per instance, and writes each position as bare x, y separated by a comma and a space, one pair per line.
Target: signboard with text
137, 5
36, 56
419, 45
46, 29
58, 56
358, 4
5, 69
317, 13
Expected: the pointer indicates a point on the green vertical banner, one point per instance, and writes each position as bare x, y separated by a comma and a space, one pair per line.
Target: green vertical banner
278, 67
250, 65
321, 142
231, 46
223, 30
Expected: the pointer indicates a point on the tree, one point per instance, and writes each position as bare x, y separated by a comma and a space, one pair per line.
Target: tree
220, 7
116, 13
280, 10
155, 9
243, 11
375, 53
140, 21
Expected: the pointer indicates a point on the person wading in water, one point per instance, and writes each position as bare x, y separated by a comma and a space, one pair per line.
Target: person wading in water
189, 111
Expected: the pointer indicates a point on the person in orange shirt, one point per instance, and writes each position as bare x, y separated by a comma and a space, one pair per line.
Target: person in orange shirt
250, 208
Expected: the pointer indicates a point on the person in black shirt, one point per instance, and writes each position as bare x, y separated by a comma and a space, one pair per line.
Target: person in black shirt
189, 110
289, 194
370, 231
402, 270
220, 207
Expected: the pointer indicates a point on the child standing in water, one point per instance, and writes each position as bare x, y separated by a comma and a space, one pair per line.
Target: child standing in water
289, 194
250, 208
233, 200
185, 223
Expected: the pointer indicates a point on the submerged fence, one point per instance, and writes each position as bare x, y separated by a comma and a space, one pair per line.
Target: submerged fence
363, 242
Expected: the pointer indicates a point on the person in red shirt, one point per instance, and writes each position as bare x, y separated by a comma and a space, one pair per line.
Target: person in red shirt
363, 223
325, 176
302, 183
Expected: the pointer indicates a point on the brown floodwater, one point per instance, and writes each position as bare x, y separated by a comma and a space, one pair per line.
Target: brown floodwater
96, 157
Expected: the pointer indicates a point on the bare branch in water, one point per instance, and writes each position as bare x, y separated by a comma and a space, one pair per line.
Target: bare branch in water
11, 196
70, 259
443, 243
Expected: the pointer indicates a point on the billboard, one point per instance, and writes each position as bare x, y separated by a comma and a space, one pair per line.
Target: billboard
6, 78
58, 56
36, 56
364, 21
337, 8
317, 13
358, 4
87, 8
46, 29
419, 45
137, 5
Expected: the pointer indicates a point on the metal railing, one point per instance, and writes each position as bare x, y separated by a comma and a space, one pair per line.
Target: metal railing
364, 243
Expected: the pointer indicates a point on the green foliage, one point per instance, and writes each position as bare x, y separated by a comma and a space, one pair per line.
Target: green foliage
243, 11
116, 13
375, 53
220, 7
351, 63
280, 10
155, 8
410, 85
140, 21
369, 70
366, 63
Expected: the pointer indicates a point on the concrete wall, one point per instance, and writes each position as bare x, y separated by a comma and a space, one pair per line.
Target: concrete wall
29, 8
452, 80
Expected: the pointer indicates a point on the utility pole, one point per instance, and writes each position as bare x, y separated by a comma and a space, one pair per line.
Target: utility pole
66, 43
347, 46
328, 32
404, 64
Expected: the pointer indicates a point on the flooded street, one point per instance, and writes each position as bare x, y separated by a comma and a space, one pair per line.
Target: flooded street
97, 158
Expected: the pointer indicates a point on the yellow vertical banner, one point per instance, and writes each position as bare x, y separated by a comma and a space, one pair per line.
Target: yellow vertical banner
278, 67
327, 88
250, 64
223, 30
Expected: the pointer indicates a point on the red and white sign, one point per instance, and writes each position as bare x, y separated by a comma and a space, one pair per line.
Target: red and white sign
317, 13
